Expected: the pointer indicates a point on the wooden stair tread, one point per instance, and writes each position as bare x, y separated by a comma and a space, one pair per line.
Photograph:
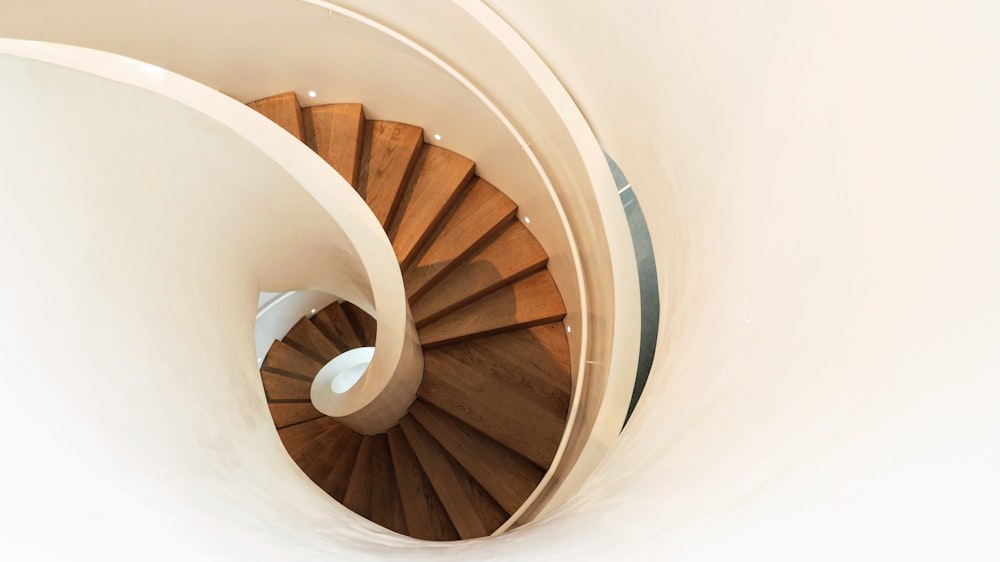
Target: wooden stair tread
386, 505
438, 180
307, 338
364, 325
288, 413
296, 436
284, 110
333, 322
286, 360
532, 361
358, 495
313, 451
472, 512
389, 153
336, 132
531, 301
481, 212
512, 255
326, 452
508, 477
425, 516
491, 406
337, 478
281, 387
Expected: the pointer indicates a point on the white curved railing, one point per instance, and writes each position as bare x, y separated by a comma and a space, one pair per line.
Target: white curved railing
366, 271
278, 314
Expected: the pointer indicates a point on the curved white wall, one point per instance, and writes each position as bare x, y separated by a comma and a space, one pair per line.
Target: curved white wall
136, 234
821, 183
821, 189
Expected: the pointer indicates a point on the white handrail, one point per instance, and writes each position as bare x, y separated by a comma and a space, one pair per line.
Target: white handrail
366, 272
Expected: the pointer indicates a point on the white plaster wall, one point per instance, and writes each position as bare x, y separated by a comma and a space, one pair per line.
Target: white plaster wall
822, 188
135, 235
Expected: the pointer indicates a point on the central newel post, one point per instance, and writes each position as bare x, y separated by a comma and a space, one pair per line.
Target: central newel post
367, 391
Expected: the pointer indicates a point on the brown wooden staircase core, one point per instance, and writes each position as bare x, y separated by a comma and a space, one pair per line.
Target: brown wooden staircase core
495, 394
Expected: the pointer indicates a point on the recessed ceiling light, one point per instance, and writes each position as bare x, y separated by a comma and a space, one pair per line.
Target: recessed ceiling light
569, 329
527, 220
313, 311
312, 93
437, 137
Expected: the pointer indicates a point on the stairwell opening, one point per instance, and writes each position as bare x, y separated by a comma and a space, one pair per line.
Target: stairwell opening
649, 296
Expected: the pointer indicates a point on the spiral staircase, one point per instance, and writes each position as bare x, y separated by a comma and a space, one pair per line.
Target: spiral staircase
494, 397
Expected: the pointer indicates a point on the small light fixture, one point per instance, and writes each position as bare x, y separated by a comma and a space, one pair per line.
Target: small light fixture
437, 137
313, 311
259, 359
527, 220
312, 93
569, 329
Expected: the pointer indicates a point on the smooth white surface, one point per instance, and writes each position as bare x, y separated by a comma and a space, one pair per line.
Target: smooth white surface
820, 184
821, 187
340, 374
361, 268
134, 233
280, 312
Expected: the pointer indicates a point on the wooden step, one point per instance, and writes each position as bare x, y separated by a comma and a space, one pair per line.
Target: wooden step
532, 361
438, 180
284, 110
337, 132
386, 505
315, 450
358, 496
345, 454
333, 322
302, 434
286, 360
288, 413
363, 324
531, 301
482, 212
333, 450
512, 255
280, 387
490, 405
388, 156
306, 337
426, 517
508, 477
471, 510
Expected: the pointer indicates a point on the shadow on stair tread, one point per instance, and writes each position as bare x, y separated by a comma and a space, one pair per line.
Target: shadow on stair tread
439, 178
480, 213
531, 301
507, 258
